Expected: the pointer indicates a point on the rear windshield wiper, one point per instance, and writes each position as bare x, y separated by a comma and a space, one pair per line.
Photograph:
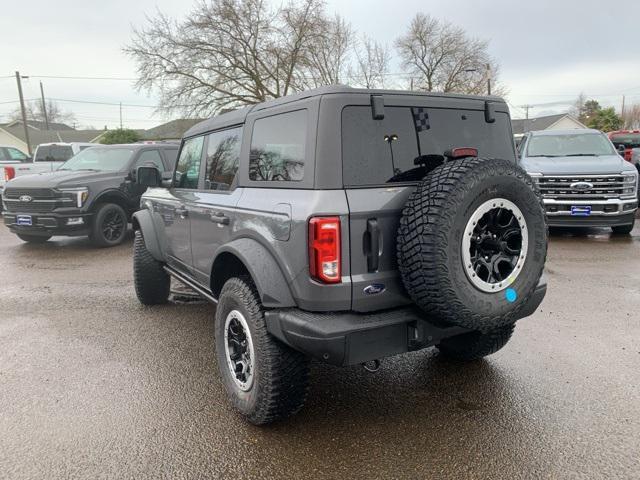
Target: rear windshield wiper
582, 155
550, 156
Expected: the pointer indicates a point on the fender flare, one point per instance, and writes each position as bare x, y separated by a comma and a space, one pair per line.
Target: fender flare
267, 275
143, 221
114, 192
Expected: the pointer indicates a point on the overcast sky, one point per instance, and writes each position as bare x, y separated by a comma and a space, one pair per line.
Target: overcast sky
549, 51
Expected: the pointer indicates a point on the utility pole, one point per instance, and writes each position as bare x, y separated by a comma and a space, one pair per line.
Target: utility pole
44, 107
526, 116
24, 112
622, 113
120, 115
488, 79
411, 87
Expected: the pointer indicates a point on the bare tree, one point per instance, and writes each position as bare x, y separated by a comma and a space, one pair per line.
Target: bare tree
631, 117
229, 53
578, 107
372, 63
327, 54
441, 57
55, 113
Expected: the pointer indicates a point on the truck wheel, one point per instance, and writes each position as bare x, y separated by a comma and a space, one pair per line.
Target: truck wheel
265, 379
151, 282
472, 243
475, 345
622, 229
109, 225
33, 238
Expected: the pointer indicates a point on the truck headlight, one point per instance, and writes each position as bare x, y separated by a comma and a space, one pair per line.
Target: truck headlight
629, 184
79, 194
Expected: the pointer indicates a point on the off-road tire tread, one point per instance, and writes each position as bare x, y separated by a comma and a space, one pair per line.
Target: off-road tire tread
475, 345
422, 240
151, 282
284, 372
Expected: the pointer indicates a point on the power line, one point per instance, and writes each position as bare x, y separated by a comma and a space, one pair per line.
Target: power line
83, 78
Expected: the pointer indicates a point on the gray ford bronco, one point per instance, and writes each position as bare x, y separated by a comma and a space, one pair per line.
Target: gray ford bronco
345, 225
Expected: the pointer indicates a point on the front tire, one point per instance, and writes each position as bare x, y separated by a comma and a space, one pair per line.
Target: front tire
475, 345
33, 238
622, 229
264, 379
151, 282
109, 225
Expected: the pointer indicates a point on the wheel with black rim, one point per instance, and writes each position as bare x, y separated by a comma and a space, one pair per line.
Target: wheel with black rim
264, 379
33, 238
109, 225
472, 243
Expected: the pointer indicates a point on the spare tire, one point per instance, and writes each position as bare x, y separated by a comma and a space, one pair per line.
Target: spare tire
472, 243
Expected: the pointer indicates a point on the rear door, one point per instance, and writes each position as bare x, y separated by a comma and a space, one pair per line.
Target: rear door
212, 213
379, 174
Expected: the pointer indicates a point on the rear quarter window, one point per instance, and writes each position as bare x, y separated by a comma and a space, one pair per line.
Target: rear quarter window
278, 146
53, 153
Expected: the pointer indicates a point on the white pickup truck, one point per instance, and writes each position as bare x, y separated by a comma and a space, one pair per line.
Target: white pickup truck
46, 158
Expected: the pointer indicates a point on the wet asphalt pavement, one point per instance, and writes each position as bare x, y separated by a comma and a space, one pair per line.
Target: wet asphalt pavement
93, 385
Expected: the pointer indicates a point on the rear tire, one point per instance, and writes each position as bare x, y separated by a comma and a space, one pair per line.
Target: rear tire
265, 380
475, 345
33, 238
622, 229
151, 282
109, 225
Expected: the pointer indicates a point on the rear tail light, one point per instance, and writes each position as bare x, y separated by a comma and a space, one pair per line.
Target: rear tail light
9, 173
324, 249
461, 152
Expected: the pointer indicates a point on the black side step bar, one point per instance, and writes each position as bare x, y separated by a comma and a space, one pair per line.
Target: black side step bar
191, 284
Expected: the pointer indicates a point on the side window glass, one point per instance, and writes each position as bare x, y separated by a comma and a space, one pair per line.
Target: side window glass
3, 154
170, 156
188, 168
150, 157
278, 148
16, 154
223, 154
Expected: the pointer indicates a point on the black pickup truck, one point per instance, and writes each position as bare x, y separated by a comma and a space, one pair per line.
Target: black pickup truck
94, 193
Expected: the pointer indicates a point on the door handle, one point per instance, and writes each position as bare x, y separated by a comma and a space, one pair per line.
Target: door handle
220, 218
372, 245
183, 212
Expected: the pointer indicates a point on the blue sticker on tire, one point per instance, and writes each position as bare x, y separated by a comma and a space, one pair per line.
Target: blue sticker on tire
511, 295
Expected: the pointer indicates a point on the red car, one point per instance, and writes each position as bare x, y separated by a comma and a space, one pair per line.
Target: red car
627, 138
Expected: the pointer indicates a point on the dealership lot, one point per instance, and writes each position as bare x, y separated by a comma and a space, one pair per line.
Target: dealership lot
94, 385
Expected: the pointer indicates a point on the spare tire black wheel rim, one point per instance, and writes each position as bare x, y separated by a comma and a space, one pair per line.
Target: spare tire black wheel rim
239, 351
494, 246
113, 225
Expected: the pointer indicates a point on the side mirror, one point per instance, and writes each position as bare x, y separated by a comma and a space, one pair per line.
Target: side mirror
167, 179
148, 176
621, 148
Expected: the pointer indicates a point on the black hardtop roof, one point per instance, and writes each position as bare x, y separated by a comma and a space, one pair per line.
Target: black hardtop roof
239, 116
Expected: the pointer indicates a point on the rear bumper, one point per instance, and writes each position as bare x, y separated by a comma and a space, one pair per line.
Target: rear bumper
49, 224
348, 338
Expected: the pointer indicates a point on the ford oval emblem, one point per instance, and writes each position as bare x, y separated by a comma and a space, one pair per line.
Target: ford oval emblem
374, 289
25, 198
581, 186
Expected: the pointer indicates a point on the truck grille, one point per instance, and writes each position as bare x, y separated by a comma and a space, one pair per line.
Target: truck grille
583, 187
43, 200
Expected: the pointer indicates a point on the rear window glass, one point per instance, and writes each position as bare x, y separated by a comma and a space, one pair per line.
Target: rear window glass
383, 151
629, 140
278, 148
53, 153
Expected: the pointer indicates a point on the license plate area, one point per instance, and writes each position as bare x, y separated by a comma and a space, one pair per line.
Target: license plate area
581, 210
24, 220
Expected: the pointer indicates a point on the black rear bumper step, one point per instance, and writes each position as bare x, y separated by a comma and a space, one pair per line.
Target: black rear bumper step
349, 338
